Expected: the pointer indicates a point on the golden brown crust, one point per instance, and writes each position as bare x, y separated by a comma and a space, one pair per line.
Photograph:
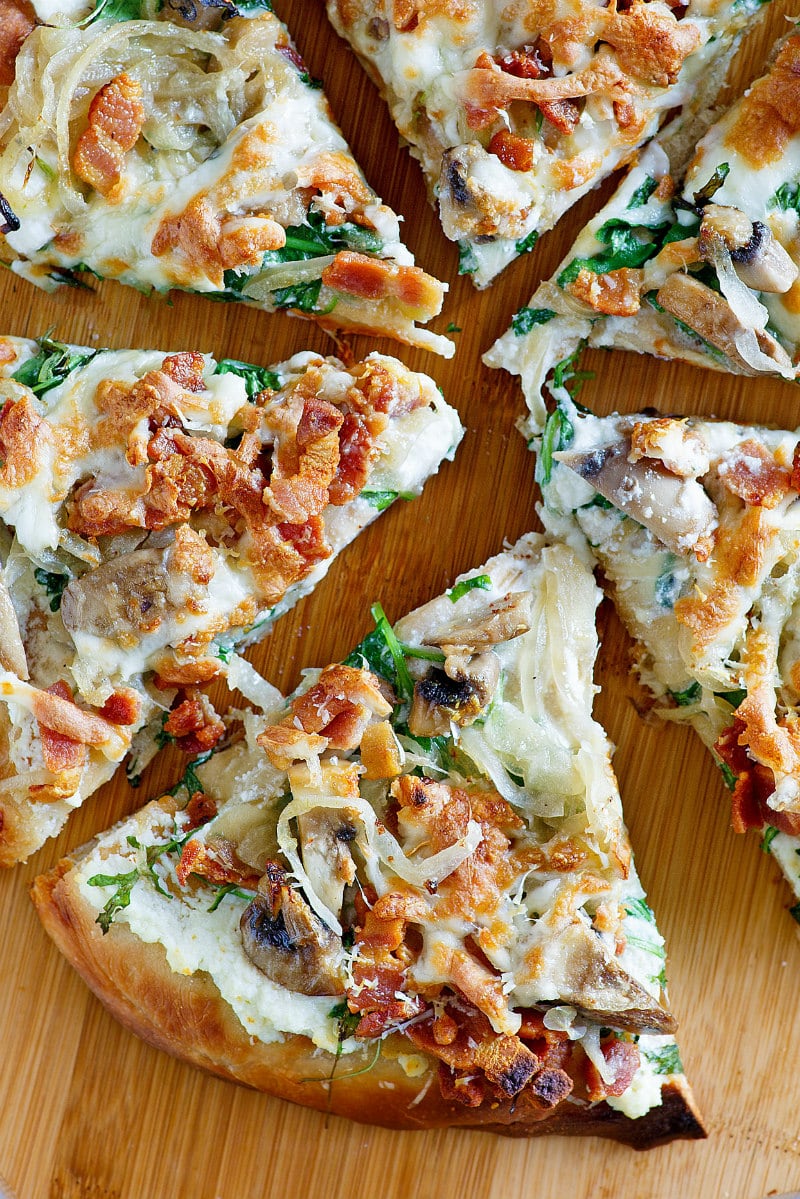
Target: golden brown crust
187, 1017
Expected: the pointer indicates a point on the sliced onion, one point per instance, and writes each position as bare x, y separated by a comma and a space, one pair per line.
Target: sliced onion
378, 844
253, 686
748, 310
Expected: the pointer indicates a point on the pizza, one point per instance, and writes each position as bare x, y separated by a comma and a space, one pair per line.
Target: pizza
696, 527
405, 894
515, 110
247, 192
157, 512
699, 262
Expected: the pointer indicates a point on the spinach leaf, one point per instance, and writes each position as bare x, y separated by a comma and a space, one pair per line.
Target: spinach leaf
467, 262
115, 10
734, 698
716, 181
53, 584
565, 375
558, 433
526, 244
786, 197
527, 318
640, 909
728, 775
382, 499
121, 898
229, 889
770, 833
627, 247
643, 192
381, 652
455, 593
314, 238
684, 699
256, 378
189, 781
50, 366
302, 296
666, 1060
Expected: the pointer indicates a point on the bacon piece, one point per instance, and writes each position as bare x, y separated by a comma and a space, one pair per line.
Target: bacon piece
284, 745
116, 117
622, 1059
514, 151
755, 782
216, 861
380, 279
335, 176
615, 292
174, 674
564, 114
339, 706
186, 369
122, 707
17, 20
750, 471
357, 452
194, 724
209, 244
24, 437
56, 710
59, 751
200, 809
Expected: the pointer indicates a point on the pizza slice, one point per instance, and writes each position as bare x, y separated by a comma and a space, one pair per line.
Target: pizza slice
168, 154
696, 526
697, 262
406, 894
515, 111
156, 512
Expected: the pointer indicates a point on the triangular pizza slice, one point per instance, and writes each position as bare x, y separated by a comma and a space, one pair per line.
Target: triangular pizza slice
405, 894
516, 110
698, 262
156, 511
696, 526
170, 154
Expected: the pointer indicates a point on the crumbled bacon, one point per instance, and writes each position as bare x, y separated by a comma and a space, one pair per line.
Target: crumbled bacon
122, 707
755, 782
768, 115
357, 452
56, 710
17, 20
194, 724
379, 969
622, 1060
116, 117
216, 861
515, 152
751, 472
380, 279
186, 369
340, 705
210, 244
59, 751
200, 809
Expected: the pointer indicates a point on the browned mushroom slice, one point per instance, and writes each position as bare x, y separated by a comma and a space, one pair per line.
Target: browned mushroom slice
12, 651
486, 625
459, 693
325, 838
710, 316
288, 943
759, 259
585, 977
675, 510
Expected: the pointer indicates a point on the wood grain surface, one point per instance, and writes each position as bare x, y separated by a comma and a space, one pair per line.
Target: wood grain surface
89, 1112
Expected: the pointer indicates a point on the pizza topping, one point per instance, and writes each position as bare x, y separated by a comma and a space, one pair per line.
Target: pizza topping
194, 724
615, 293
682, 450
116, 117
12, 649
24, 439
59, 751
676, 510
483, 626
768, 115
17, 20
750, 471
622, 1060
380, 279
759, 259
650, 42
458, 693
287, 942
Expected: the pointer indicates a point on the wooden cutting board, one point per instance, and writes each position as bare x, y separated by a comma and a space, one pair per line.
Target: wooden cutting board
89, 1112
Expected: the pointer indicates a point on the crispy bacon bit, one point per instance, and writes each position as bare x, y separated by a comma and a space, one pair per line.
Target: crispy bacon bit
379, 970
174, 674
564, 114
186, 369
59, 751
514, 151
207, 243
17, 20
615, 293
216, 861
340, 705
123, 706
200, 809
755, 782
7, 351
116, 117
380, 279
651, 44
357, 452
194, 724
751, 472
24, 437
55, 710
622, 1059
342, 187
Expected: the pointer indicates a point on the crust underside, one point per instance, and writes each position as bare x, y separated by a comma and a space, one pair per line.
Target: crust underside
188, 1018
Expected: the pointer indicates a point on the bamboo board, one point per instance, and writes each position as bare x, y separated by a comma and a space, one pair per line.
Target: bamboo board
89, 1112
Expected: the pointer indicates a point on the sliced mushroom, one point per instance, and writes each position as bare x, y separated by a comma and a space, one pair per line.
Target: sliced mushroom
576, 964
12, 650
459, 693
126, 598
325, 838
676, 510
485, 626
710, 316
288, 943
759, 259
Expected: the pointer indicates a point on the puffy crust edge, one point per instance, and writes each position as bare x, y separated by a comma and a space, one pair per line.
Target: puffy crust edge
188, 1018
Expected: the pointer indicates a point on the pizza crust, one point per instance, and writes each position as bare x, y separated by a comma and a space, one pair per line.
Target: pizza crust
187, 1017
